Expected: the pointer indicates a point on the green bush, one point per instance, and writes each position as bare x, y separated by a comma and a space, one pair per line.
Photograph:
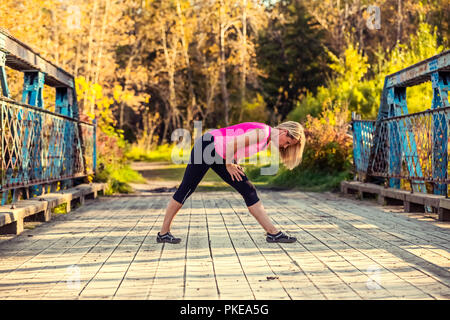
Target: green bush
160, 153
300, 178
118, 177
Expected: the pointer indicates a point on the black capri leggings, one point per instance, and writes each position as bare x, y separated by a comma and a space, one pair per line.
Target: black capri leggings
196, 170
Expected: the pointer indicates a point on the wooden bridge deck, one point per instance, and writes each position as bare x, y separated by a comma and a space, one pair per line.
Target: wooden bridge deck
346, 249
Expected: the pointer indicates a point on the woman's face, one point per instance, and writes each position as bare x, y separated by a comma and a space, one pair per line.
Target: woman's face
285, 139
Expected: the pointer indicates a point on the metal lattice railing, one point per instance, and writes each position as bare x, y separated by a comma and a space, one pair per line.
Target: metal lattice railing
363, 140
88, 135
40, 147
41, 150
401, 146
405, 148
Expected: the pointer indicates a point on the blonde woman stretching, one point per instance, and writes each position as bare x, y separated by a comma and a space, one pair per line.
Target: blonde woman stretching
220, 150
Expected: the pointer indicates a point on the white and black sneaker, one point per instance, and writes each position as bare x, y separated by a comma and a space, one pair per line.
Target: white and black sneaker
280, 237
167, 237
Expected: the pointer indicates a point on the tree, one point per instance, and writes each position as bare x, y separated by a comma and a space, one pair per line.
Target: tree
291, 54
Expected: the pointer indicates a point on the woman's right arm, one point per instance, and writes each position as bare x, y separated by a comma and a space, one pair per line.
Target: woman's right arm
248, 138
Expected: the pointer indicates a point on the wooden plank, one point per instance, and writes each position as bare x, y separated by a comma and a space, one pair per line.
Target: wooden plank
19, 250
230, 275
132, 232
11, 220
288, 272
55, 199
444, 203
401, 257
200, 281
387, 218
424, 199
409, 229
255, 266
343, 246
413, 202
168, 281
14, 215
338, 279
27, 275
89, 255
395, 193
139, 278
344, 257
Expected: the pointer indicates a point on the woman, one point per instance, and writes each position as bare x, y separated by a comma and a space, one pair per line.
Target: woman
226, 146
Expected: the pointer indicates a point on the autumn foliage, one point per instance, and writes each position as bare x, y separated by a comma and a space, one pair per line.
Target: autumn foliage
329, 146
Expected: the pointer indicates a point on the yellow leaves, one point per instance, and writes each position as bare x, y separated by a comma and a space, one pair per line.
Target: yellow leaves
117, 92
419, 98
93, 92
82, 86
128, 96
185, 5
328, 142
352, 66
213, 49
90, 115
255, 110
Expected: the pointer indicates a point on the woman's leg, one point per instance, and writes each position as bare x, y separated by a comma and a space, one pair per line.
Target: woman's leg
257, 210
248, 191
172, 209
193, 174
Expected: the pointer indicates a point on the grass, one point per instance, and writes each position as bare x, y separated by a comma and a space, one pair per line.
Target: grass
312, 181
118, 178
175, 172
160, 153
299, 179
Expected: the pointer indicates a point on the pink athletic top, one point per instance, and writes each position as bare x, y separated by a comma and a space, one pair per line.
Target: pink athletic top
223, 135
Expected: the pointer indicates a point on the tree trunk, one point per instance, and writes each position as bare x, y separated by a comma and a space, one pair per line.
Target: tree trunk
55, 36
89, 53
170, 65
77, 57
223, 78
139, 42
102, 36
192, 98
243, 58
399, 22
360, 27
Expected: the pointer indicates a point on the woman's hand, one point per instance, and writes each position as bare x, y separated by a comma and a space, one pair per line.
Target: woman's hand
235, 171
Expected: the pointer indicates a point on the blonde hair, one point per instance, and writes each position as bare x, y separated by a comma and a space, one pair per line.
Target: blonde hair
292, 156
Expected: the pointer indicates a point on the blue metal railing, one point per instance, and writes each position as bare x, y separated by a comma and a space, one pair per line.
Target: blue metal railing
41, 151
399, 145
